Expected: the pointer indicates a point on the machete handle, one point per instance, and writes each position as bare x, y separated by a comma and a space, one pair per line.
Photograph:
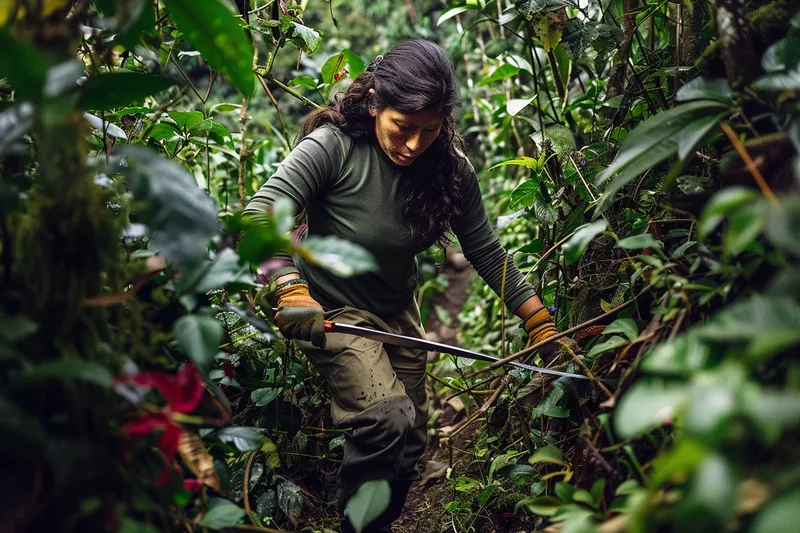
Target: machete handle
330, 327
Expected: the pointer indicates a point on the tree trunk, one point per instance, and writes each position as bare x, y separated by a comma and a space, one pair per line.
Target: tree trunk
741, 64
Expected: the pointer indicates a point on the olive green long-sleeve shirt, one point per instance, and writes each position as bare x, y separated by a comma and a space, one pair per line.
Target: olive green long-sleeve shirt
349, 188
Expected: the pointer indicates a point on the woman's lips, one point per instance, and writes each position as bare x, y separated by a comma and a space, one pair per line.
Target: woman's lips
405, 158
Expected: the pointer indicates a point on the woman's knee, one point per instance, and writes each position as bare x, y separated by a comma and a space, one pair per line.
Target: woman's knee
385, 422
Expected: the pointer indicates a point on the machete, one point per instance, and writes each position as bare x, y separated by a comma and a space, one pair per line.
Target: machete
413, 342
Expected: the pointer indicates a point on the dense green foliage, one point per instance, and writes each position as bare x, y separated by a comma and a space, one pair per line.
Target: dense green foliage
638, 156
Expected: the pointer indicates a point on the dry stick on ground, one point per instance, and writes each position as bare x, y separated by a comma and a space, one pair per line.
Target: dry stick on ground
570, 331
751, 166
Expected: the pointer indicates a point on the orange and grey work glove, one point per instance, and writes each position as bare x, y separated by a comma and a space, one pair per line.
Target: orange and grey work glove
299, 316
539, 326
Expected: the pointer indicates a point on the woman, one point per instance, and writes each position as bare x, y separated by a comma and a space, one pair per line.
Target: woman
383, 167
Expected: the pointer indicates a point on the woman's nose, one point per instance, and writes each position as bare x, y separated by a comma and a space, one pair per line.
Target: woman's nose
413, 142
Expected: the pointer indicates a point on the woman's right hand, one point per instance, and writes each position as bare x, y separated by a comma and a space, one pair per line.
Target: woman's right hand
299, 316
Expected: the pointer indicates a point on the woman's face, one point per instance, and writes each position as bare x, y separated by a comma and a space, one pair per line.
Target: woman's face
404, 137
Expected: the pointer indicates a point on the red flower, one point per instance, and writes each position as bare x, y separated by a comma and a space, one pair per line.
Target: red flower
183, 392
192, 485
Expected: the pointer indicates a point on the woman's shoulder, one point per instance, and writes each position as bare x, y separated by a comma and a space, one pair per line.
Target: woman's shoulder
331, 136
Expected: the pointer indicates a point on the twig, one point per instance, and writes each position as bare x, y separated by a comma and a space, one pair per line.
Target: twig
243, 153
246, 488
294, 93
751, 166
570, 331
586, 369
272, 99
483, 408
186, 79
582, 180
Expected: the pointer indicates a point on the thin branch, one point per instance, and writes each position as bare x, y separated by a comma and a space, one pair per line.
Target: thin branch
294, 93
751, 166
272, 99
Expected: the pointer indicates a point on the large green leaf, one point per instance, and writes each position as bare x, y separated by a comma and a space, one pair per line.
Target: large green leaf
706, 506
199, 337
547, 454
504, 71
766, 324
576, 246
525, 193
781, 515
697, 133
290, 499
651, 143
683, 355
610, 344
179, 214
451, 12
264, 396
371, 499
626, 326
108, 91
745, 226
343, 258
222, 514
721, 204
22, 66
225, 268
637, 242
307, 39
783, 226
705, 89
66, 369
214, 31
647, 404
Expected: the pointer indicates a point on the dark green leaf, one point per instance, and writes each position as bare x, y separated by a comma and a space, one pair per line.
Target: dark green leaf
541, 505
186, 120
780, 515
745, 226
180, 215
696, 134
304, 81
779, 81
496, 47
130, 526
253, 319
524, 193
504, 71
636, 242
608, 345
264, 396
199, 337
309, 38
223, 514
576, 246
103, 92
721, 204
650, 143
243, 438
224, 269
705, 89
139, 18
343, 258
213, 30
22, 66
290, 499
62, 78
163, 131
626, 326
547, 454
354, 62
65, 369
371, 499
647, 404
768, 325
677, 463
707, 503
533, 247
545, 213
683, 355
783, 226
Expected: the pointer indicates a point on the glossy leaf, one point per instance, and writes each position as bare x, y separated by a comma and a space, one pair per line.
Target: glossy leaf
222, 514
707, 504
705, 89
199, 337
547, 454
290, 499
243, 438
525, 193
576, 246
516, 105
746, 224
608, 345
180, 215
647, 404
225, 268
22, 65
343, 258
626, 326
370, 500
100, 126
504, 71
697, 134
308, 39
637, 242
213, 30
264, 396
650, 143
103, 92
451, 12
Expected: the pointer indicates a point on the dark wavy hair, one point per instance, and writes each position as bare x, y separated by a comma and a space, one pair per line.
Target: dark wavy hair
413, 76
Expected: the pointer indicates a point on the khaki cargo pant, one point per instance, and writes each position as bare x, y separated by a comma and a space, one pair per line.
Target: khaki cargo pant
378, 395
